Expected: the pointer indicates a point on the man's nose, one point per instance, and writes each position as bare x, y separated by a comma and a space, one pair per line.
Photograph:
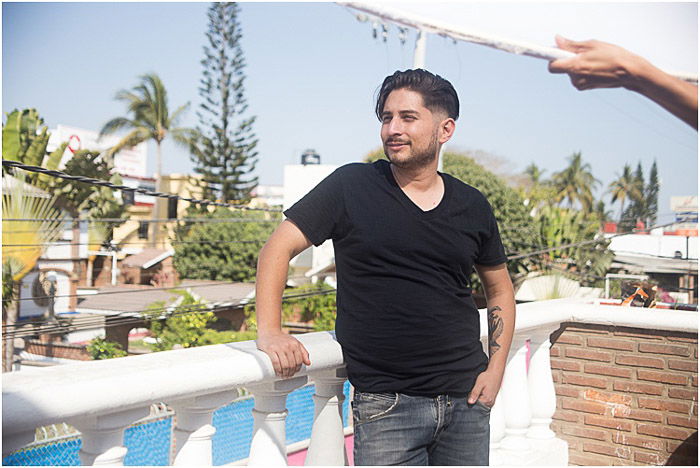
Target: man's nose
394, 127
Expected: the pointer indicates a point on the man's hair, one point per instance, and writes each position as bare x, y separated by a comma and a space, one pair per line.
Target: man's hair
438, 93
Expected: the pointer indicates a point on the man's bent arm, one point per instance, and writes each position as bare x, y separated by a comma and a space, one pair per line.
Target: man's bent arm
500, 306
286, 352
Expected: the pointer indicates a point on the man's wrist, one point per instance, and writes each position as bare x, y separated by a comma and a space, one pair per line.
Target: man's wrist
266, 332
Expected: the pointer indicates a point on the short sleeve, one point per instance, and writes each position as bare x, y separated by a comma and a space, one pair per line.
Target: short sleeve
491, 251
318, 213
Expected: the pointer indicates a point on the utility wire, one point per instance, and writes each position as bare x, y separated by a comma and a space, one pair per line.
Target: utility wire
129, 291
124, 188
576, 244
68, 243
22, 330
151, 220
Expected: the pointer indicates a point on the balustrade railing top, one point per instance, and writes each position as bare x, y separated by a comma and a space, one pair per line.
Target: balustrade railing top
93, 389
60, 393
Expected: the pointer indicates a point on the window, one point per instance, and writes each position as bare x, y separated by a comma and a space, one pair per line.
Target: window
143, 229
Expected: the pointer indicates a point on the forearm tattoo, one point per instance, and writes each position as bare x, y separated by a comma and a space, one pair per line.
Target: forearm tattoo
495, 328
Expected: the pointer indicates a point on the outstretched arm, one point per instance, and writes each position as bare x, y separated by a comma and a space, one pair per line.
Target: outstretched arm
601, 65
286, 352
500, 306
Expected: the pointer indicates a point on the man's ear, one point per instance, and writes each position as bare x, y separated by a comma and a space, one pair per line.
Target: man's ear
447, 129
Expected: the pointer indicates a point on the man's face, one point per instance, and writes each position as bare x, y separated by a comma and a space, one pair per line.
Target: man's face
410, 131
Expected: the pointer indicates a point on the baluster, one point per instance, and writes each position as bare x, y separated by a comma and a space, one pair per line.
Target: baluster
543, 399
197, 450
327, 446
103, 432
193, 432
516, 402
268, 446
497, 423
112, 457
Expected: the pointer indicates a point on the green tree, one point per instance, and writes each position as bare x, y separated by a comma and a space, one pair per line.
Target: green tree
24, 139
45, 227
535, 173
575, 183
651, 195
624, 187
149, 118
637, 208
374, 155
515, 224
184, 324
536, 191
224, 153
562, 226
99, 348
225, 250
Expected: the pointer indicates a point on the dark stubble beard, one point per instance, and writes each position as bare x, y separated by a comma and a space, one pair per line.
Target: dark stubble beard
418, 159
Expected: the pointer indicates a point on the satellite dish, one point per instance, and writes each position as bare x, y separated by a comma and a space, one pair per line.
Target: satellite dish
41, 287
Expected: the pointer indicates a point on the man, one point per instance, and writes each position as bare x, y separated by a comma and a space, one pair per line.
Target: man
406, 239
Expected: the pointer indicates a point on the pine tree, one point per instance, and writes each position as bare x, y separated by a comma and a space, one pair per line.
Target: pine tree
225, 152
636, 210
651, 195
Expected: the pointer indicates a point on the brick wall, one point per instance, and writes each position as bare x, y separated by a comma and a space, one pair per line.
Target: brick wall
626, 396
57, 350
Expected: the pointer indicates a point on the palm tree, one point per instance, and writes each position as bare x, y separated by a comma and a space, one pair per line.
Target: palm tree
23, 242
534, 172
625, 186
149, 119
575, 183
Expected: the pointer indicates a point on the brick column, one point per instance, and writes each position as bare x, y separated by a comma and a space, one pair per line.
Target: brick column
626, 395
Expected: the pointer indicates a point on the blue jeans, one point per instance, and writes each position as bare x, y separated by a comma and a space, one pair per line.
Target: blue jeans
398, 429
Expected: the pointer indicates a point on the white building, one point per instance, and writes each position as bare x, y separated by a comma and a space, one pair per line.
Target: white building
299, 179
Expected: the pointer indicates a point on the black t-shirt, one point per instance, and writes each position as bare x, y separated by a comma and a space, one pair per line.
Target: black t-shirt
406, 320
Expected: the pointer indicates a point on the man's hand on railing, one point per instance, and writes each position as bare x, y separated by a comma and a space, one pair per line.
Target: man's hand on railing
286, 353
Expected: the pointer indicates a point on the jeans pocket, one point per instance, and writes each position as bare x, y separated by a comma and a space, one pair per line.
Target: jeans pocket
368, 407
483, 406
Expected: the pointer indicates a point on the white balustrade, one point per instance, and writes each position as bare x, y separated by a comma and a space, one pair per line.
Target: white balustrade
197, 451
543, 399
516, 399
194, 414
103, 432
327, 446
101, 398
112, 457
497, 422
268, 447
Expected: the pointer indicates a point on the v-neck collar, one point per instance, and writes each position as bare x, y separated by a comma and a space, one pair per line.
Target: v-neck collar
406, 200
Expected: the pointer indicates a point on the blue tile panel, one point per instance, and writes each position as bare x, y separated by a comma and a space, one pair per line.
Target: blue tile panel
150, 443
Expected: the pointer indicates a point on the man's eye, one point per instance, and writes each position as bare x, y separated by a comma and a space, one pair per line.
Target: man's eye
386, 119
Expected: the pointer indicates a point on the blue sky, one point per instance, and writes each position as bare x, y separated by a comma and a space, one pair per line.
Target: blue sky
312, 74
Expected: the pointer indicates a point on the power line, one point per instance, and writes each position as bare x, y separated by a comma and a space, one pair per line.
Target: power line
124, 188
576, 244
55, 244
86, 323
129, 291
163, 220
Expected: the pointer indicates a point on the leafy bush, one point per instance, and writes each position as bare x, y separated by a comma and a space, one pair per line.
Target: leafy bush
178, 327
319, 308
99, 348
